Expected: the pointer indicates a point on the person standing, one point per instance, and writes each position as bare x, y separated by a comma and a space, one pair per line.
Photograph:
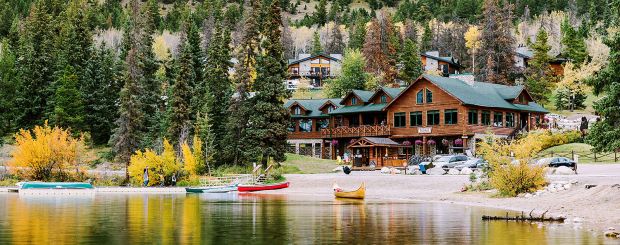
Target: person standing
583, 127
174, 179
146, 176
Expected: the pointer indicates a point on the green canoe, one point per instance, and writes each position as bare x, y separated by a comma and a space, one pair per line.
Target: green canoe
55, 185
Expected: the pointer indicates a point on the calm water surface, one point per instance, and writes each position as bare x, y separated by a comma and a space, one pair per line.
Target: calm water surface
260, 219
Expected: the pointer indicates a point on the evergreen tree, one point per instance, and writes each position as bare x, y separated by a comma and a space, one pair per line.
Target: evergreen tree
410, 62
218, 91
336, 44
68, 107
197, 85
372, 48
267, 125
574, 46
605, 134
178, 130
353, 75
379, 50
74, 43
8, 88
35, 66
154, 12
539, 75
100, 92
316, 44
427, 38
497, 47
357, 33
320, 15
288, 42
333, 11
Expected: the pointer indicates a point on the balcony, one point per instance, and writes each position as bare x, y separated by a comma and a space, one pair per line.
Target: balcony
361, 131
309, 74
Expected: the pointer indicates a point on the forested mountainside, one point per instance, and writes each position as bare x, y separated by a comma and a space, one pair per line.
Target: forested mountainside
131, 73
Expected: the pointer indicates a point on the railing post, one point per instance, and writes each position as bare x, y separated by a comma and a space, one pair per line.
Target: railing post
595, 156
573, 154
615, 156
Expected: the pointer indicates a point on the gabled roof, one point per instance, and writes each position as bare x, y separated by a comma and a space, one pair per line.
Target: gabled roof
481, 93
362, 94
297, 61
334, 102
375, 141
311, 105
448, 59
358, 109
392, 92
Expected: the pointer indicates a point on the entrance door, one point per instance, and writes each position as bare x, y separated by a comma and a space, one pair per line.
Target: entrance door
361, 156
523, 121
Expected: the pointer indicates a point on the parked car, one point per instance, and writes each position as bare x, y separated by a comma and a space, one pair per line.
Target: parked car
471, 163
555, 162
450, 161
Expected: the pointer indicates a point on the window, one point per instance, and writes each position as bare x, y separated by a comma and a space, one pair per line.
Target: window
498, 119
291, 126
399, 120
330, 109
354, 121
472, 117
450, 116
486, 118
432, 118
510, 120
420, 97
383, 99
415, 118
297, 110
305, 125
353, 100
429, 96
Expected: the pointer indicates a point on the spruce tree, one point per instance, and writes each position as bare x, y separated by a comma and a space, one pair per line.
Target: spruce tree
218, 91
151, 93
320, 14
180, 112
357, 33
539, 75
68, 109
427, 38
197, 85
574, 46
8, 89
317, 48
410, 62
497, 48
372, 48
154, 12
605, 134
267, 125
336, 44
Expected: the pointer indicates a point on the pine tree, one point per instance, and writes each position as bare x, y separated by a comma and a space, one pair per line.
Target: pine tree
497, 47
410, 61
353, 75
427, 38
336, 44
379, 49
68, 109
320, 15
539, 75
288, 42
333, 11
8, 88
151, 93
357, 33
155, 15
605, 134
218, 91
372, 48
100, 90
267, 125
197, 85
574, 46
180, 112
317, 48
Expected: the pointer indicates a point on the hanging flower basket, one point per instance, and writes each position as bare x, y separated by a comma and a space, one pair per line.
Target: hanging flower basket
334, 142
445, 142
431, 142
407, 143
352, 141
418, 142
458, 142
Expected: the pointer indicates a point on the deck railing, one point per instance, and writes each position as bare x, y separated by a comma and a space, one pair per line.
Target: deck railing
360, 131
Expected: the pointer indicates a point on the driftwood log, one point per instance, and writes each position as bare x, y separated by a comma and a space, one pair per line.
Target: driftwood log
523, 218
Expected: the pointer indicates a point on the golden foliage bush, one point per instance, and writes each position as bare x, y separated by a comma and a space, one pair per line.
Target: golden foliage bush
46, 153
192, 159
164, 164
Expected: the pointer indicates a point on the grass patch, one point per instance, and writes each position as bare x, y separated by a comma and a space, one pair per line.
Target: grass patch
309, 94
584, 152
308, 165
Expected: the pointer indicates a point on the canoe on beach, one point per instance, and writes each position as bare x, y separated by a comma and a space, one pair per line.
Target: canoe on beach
360, 193
262, 187
55, 185
211, 189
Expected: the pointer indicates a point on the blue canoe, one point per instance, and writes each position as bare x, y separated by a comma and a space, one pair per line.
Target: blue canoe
212, 189
55, 185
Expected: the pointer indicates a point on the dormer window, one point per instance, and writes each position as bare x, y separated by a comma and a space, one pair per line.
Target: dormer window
330, 109
353, 101
297, 111
383, 99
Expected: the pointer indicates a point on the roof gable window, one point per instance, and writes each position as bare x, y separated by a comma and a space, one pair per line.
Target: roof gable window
420, 97
297, 110
330, 108
429, 96
383, 98
353, 100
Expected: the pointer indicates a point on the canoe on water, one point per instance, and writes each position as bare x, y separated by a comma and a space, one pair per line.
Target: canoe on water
212, 189
55, 185
360, 193
262, 187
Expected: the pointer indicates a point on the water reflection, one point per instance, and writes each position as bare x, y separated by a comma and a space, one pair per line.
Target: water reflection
259, 219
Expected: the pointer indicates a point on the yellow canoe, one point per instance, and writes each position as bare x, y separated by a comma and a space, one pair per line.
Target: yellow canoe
360, 193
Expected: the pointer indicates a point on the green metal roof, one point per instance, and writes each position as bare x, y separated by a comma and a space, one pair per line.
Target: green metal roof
358, 109
483, 94
393, 92
312, 105
363, 94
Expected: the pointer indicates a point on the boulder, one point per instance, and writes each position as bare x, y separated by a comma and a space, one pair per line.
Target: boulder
417, 172
453, 171
563, 170
385, 170
436, 171
549, 170
413, 168
528, 195
567, 186
395, 171
551, 189
466, 171
337, 169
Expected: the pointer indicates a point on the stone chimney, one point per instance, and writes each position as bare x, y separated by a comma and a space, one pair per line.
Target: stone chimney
467, 78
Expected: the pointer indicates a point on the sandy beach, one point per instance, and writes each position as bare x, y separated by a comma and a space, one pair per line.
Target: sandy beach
594, 209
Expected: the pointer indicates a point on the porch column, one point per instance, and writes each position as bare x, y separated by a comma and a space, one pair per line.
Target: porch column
423, 145
297, 148
361, 122
322, 149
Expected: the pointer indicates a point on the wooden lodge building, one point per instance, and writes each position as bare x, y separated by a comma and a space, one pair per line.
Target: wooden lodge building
433, 115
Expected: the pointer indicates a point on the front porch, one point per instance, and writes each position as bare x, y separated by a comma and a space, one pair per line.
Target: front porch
375, 152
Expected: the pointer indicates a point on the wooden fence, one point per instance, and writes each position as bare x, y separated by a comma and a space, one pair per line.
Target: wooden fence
584, 156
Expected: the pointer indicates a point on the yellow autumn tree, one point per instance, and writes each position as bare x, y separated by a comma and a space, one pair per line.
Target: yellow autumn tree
45, 153
473, 43
192, 158
164, 164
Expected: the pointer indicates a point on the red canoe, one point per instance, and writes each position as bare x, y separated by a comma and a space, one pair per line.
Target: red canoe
247, 188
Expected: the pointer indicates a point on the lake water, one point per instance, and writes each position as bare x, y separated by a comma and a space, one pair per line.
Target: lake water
260, 219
